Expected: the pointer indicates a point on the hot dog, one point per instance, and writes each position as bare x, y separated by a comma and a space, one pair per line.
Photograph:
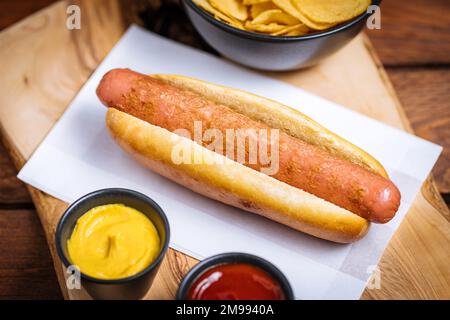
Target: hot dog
311, 158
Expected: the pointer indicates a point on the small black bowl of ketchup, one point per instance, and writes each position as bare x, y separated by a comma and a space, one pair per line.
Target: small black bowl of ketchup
235, 276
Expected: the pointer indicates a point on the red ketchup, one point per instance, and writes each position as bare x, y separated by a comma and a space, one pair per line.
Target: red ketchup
236, 281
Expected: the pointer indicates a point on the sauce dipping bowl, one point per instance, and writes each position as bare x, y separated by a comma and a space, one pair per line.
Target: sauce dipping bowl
272, 53
132, 287
233, 258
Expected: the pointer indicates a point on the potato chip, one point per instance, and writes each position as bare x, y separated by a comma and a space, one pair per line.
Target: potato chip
287, 6
265, 28
256, 9
250, 2
314, 25
295, 30
275, 16
232, 8
295, 33
204, 4
336, 11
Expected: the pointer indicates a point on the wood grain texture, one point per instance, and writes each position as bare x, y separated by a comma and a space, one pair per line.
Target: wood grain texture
13, 193
416, 35
12, 11
413, 32
51, 63
425, 96
25, 258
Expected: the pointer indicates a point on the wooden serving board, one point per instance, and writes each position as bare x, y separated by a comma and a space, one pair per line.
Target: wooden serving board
44, 65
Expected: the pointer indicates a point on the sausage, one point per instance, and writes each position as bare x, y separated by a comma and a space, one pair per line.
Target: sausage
301, 164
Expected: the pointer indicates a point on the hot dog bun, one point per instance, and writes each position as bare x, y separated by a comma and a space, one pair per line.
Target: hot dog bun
325, 172
234, 183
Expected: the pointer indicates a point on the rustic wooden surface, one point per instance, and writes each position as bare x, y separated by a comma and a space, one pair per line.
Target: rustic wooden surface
425, 95
414, 33
26, 268
414, 46
421, 78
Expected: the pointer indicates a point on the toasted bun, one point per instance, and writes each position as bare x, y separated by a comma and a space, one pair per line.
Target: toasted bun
278, 116
222, 179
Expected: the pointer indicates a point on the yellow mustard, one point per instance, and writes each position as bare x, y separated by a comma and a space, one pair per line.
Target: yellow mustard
113, 241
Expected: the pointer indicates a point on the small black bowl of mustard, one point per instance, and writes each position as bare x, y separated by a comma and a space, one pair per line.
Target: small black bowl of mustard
116, 239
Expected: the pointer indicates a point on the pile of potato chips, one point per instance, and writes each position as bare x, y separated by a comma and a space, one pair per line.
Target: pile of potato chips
284, 17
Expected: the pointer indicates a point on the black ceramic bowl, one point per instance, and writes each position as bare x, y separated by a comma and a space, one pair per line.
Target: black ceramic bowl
233, 257
133, 287
267, 52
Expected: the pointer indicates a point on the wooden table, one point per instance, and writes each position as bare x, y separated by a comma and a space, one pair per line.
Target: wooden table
413, 45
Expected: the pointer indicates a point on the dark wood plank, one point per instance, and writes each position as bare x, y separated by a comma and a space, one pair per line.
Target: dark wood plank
12, 11
425, 96
26, 267
13, 193
415, 32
